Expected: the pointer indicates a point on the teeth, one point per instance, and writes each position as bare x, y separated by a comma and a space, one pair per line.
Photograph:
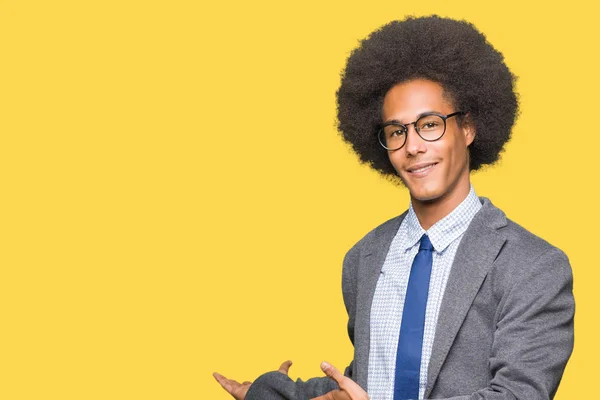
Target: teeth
423, 169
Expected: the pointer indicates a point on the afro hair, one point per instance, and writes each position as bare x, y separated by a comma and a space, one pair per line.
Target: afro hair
450, 52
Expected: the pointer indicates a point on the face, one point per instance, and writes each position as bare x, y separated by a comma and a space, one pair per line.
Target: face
433, 171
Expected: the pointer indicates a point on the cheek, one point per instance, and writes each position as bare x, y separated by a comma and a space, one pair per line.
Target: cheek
396, 161
458, 156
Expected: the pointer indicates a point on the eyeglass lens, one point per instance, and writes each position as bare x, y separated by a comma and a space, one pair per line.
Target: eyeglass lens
429, 127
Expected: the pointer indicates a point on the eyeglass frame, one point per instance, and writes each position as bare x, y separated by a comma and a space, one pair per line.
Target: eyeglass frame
427, 114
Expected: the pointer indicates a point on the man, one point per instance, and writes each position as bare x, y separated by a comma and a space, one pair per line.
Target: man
451, 299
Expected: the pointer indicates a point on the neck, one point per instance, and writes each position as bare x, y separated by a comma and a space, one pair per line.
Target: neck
431, 211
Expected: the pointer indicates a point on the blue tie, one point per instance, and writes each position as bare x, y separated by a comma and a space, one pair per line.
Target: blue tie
410, 343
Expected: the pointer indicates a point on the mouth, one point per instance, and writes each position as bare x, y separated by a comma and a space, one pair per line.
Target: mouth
421, 169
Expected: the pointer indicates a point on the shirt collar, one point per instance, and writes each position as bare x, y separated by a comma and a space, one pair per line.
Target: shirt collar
446, 230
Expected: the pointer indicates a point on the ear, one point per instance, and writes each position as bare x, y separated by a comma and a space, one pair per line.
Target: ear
468, 129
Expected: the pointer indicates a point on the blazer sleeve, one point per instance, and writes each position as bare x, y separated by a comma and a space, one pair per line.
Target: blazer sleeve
278, 386
534, 333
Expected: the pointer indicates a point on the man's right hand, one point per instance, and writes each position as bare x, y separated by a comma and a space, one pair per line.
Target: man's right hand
349, 390
239, 390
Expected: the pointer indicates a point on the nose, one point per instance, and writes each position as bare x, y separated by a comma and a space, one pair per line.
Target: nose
414, 143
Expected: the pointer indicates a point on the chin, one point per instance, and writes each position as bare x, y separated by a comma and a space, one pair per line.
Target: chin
424, 194
425, 197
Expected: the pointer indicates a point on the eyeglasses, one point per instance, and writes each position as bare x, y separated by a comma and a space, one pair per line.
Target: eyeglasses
430, 127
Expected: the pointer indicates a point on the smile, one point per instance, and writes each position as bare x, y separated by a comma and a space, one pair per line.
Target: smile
421, 171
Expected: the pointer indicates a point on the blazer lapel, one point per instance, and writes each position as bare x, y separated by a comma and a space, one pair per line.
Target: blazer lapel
477, 251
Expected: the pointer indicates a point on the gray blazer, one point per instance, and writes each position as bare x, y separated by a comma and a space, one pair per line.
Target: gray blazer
505, 329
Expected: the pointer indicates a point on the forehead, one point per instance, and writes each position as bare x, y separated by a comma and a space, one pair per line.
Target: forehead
407, 100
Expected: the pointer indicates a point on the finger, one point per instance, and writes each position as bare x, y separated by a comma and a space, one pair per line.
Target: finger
227, 384
334, 395
332, 372
224, 382
220, 378
285, 367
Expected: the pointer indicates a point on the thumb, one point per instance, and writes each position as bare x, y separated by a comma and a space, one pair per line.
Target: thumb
332, 372
285, 367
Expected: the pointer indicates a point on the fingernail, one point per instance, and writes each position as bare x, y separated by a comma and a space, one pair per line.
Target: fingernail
325, 365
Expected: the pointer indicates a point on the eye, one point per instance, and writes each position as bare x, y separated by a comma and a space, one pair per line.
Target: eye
394, 131
430, 123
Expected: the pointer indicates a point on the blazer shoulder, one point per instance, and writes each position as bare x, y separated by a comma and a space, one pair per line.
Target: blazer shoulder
531, 254
523, 240
519, 242
522, 252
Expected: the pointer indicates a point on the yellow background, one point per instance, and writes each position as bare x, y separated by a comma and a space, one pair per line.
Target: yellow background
175, 199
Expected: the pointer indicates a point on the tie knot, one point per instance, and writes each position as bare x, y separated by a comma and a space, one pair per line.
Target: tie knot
425, 243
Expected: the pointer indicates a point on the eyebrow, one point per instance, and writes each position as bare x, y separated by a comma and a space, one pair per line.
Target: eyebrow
396, 121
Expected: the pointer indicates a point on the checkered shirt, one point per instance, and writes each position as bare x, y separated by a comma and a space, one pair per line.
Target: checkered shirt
388, 301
